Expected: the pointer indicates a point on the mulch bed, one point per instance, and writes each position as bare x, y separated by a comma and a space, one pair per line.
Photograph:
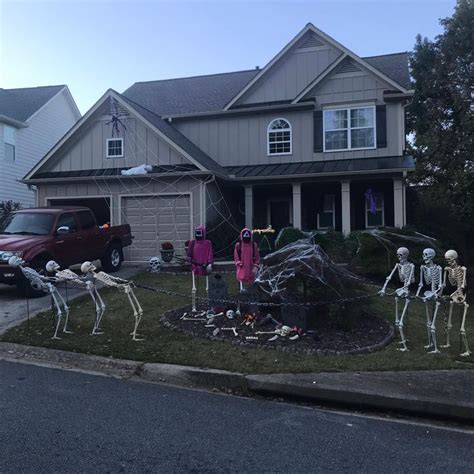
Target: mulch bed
369, 334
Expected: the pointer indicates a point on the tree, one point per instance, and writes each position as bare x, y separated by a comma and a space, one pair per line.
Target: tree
6, 208
441, 116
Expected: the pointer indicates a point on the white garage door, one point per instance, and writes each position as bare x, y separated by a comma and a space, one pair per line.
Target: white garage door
154, 220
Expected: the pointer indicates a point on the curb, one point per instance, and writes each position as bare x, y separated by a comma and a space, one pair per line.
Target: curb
308, 388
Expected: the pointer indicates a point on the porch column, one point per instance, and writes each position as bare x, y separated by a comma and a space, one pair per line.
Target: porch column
249, 206
398, 202
297, 205
346, 206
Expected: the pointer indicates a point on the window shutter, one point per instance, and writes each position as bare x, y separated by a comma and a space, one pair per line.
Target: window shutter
318, 131
381, 121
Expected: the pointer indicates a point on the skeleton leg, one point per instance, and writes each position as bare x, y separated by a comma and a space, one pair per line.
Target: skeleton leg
428, 324
463, 331
241, 287
137, 318
449, 325
59, 313
102, 307
400, 327
193, 293
435, 349
396, 311
66, 311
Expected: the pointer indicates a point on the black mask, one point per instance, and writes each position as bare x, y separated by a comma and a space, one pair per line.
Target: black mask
199, 234
246, 236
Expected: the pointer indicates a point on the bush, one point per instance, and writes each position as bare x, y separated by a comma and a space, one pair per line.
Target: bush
6, 208
223, 235
287, 236
339, 249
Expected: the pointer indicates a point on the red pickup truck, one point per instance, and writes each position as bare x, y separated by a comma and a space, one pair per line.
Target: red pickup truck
68, 235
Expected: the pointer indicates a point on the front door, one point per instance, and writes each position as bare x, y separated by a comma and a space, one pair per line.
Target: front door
279, 214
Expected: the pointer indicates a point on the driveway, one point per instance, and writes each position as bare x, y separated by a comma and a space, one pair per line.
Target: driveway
14, 307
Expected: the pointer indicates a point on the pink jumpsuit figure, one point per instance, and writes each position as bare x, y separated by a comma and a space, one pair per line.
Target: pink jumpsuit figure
246, 257
201, 258
200, 252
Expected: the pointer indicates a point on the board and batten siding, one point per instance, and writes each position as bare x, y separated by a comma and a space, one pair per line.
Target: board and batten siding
141, 146
31, 144
291, 75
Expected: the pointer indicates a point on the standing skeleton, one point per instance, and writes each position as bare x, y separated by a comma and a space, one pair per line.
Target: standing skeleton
431, 276
120, 284
68, 276
46, 284
456, 275
406, 274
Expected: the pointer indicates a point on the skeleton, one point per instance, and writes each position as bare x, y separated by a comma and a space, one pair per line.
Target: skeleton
430, 275
194, 288
46, 284
120, 284
218, 330
284, 331
82, 283
406, 274
456, 275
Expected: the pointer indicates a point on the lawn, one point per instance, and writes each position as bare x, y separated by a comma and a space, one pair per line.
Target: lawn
166, 346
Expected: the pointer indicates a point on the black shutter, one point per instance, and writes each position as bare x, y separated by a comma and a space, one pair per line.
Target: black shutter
318, 131
381, 121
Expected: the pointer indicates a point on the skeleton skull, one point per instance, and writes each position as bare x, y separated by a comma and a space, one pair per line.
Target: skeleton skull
155, 264
451, 257
428, 255
15, 261
87, 267
230, 314
402, 254
52, 266
285, 331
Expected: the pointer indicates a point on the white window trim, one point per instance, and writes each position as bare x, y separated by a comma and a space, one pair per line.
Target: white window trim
348, 109
333, 214
107, 148
382, 208
268, 137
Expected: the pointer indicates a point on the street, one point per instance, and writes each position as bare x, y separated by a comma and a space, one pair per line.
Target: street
55, 421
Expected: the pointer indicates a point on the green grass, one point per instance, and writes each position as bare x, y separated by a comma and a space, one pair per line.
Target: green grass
166, 346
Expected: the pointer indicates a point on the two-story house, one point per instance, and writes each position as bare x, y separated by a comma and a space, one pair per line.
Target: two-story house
32, 120
315, 139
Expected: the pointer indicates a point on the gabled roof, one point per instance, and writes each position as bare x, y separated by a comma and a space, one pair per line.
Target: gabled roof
194, 154
21, 104
193, 95
189, 94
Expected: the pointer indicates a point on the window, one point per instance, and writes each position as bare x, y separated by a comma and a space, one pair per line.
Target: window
9, 142
349, 129
374, 212
86, 220
68, 221
279, 137
114, 147
327, 215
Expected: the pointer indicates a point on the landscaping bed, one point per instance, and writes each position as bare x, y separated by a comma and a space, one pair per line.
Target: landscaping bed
366, 335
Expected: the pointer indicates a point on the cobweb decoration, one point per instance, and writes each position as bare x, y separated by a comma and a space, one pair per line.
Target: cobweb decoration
304, 259
116, 114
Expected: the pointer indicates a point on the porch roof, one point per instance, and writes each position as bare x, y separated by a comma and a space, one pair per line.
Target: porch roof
318, 168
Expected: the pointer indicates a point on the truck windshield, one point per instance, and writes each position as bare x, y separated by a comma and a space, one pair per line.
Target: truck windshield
28, 223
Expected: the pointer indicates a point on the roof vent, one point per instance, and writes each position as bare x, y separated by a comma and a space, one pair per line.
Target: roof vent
310, 41
257, 67
347, 66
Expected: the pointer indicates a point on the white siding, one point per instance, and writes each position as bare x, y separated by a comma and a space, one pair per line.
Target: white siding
32, 143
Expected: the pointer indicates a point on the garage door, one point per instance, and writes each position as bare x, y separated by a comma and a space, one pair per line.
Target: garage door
154, 220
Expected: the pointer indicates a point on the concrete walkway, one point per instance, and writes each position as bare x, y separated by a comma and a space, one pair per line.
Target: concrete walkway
440, 394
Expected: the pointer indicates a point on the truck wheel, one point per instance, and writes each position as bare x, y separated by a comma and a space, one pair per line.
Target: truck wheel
113, 258
24, 285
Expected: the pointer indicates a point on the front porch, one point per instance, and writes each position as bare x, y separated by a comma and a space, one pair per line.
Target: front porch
341, 205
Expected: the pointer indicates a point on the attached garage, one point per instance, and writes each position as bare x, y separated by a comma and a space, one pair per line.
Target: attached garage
100, 206
155, 219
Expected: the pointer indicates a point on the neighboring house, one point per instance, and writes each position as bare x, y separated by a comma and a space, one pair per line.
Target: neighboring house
315, 139
32, 120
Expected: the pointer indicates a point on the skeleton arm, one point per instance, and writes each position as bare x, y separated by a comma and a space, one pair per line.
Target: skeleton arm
382, 291
420, 285
408, 281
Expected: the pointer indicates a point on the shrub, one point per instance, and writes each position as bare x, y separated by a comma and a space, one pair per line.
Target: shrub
6, 208
339, 249
287, 236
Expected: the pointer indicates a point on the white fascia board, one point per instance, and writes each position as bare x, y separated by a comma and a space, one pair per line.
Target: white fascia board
68, 135
12, 122
319, 78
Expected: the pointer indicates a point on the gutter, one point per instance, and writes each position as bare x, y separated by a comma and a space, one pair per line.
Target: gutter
13, 122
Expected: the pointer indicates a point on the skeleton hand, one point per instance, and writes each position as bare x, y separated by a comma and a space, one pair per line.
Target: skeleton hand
209, 268
382, 292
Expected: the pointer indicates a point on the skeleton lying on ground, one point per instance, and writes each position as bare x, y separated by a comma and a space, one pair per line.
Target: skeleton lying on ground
456, 275
284, 331
122, 285
46, 284
75, 280
406, 274
430, 275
